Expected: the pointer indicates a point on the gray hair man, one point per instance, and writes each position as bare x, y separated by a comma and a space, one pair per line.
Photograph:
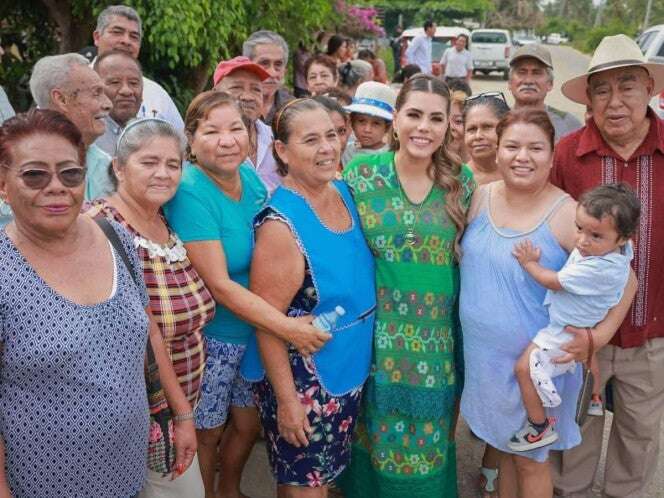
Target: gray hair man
123, 82
119, 28
67, 84
531, 79
623, 141
270, 51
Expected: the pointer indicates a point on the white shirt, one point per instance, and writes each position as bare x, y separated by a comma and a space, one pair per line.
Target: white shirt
457, 64
419, 52
266, 166
157, 103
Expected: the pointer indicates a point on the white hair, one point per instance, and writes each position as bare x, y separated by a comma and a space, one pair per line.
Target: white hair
106, 16
264, 37
141, 130
52, 71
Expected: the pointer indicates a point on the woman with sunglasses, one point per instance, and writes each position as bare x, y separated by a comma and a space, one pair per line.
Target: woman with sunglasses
481, 114
146, 173
73, 331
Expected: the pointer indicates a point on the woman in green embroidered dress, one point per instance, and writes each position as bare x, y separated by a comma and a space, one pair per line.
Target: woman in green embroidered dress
412, 203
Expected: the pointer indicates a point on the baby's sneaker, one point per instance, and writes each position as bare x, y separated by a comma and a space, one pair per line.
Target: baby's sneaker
595, 407
531, 437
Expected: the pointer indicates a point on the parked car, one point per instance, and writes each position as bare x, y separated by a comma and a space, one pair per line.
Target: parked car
553, 39
442, 40
651, 43
525, 40
491, 50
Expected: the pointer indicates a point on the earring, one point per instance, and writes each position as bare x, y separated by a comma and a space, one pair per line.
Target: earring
395, 136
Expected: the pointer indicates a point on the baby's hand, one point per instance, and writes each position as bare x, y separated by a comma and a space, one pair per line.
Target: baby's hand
525, 252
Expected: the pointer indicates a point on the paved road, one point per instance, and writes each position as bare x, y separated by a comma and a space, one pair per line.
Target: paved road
257, 480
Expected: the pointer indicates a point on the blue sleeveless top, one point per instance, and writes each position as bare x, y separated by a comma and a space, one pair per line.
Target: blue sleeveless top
501, 309
342, 270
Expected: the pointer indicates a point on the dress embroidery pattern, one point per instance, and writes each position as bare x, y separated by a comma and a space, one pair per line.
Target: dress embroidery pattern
402, 445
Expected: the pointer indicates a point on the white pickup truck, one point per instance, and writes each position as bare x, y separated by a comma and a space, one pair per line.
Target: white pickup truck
491, 50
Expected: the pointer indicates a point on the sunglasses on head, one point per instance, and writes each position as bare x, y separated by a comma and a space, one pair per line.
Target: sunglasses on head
37, 179
488, 95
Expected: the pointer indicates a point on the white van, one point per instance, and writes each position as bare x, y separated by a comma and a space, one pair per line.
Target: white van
491, 50
651, 43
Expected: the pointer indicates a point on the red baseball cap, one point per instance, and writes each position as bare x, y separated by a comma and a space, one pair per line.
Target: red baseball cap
224, 68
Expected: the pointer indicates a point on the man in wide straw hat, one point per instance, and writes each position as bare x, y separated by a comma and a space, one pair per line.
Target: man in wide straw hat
623, 142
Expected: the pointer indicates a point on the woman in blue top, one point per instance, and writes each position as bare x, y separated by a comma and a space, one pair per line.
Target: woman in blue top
309, 404
213, 212
74, 324
501, 307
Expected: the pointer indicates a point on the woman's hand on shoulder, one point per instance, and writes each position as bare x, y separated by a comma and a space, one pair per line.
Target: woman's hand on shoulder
185, 446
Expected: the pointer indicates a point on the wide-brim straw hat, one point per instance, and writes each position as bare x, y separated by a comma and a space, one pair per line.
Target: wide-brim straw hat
613, 52
375, 99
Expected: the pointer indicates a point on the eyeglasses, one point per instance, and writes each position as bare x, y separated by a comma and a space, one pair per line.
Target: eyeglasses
37, 179
487, 95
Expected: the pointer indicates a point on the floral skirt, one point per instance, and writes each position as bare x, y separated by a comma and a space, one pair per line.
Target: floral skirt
332, 420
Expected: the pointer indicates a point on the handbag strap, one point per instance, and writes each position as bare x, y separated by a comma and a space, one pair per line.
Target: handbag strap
591, 346
115, 241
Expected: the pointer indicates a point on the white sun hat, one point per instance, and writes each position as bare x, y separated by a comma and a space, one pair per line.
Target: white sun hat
613, 52
375, 99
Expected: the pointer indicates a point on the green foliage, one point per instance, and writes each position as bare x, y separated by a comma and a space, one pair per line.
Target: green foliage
617, 16
183, 40
573, 28
26, 36
444, 12
595, 35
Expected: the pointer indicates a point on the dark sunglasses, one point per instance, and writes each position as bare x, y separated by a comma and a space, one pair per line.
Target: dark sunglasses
488, 95
38, 179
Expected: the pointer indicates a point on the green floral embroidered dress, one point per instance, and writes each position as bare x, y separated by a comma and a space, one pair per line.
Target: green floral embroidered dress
401, 446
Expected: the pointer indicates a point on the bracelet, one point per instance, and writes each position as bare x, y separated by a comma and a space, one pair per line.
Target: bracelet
183, 416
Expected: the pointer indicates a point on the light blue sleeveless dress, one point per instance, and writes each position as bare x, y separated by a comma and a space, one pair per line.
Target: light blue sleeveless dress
501, 310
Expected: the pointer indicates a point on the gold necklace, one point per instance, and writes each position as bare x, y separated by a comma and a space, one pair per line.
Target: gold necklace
411, 236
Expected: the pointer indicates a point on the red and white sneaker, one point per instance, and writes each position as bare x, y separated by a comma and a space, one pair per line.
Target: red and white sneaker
529, 438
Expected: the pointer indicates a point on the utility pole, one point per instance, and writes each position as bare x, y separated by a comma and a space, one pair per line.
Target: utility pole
646, 20
598, 14
563, 5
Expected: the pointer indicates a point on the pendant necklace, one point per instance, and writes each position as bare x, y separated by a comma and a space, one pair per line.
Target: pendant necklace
411, 236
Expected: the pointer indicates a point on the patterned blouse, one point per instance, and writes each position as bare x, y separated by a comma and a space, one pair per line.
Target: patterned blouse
180, 304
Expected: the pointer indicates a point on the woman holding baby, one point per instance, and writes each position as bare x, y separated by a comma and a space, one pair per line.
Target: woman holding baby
501, 305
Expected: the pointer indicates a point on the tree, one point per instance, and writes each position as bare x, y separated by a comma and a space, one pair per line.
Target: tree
182, 40
512, 14
444, 12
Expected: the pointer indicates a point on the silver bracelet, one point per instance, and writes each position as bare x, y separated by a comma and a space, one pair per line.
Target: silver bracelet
183, 416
